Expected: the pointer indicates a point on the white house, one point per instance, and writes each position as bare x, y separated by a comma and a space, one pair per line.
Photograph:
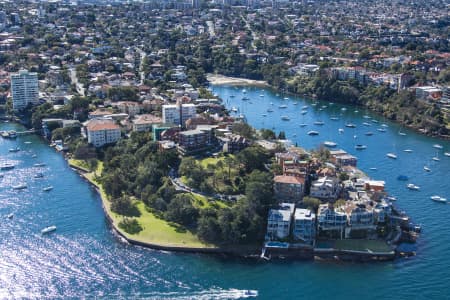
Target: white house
329, 219
305, 226
325, 188
101, 132
279, 221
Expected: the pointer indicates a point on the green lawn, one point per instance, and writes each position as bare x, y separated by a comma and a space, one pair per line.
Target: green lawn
203, 202
79, 163
363, 245
155, 230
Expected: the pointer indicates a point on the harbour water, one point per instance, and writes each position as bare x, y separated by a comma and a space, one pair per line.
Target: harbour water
83, 257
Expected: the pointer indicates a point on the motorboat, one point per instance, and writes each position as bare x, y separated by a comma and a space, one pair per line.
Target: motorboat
245, 98
39, 165
391, 155
391, 198
304, 112
269, 110
343, 109
438, 199
334, 118
19, 186
447, 154
47, 188
320, 123
341, 130
373, 169
413, 187
285, 118
34, 155
48, 229
367, 124
6, 166
437, 146
39, 175
27, 142
303, 125
374, 121
401, 133
329, 144
350, 125
366, 117
313, 132
381, 129
10, 216
264, 115
426, 169
234, 109
384, 125
295, 103
304, 107
435, 158
282, 106
261, 95
408, 151
360, 147
369, 133
286, 98
17, 149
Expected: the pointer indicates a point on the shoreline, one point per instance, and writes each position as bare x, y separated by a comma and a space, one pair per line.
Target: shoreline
218, 79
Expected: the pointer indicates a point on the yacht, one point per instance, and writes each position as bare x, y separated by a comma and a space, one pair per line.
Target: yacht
320, 123
34, 155
261, 95
313, 132
438, 199
408, 150
17, 149
6, 166
10, 216
413, 187
282, 106
360, 147
374, 121
401, 133
269, 110
48, 229
435, 158
334, 118
286, 98
381, 129
366, 117
350, 125
304, 112
329, 144
437, 146
384, 125
447, 154
19, 186
27, 142
47, 188
426, 169
373, 169
369, 133
367, 124
234, 109
303, 125
341, 130
391, 155
285, 118
39, 165
304, 107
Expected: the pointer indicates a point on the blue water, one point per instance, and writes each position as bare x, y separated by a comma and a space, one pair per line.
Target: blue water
84, 258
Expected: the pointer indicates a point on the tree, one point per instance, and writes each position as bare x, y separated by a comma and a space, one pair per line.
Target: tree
180, 210
311, 203
124, 206
130, 226
208, 227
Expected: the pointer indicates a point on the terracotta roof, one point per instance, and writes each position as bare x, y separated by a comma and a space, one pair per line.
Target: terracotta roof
96, 125
288, 179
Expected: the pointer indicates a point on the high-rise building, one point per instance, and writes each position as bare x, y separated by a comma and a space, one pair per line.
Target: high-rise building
24, 89
174, 114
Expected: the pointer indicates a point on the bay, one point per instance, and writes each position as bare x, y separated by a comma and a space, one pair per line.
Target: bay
84, 258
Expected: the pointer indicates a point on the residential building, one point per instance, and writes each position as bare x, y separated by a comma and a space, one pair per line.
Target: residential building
24, 89
171, 113
325, 188
289, 188
330, 220
342, 158
192, 141
145, 122
279, 221
102, 132
234, 143
304, 226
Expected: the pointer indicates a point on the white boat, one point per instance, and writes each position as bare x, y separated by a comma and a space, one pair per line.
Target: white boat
374, 121
6, 166
48, 229
19, 186
34, 155
384, 125
401, 133
329, 144
447, 154
369, 133
350, 125
244, 91
373, 169
435, 158
438, 199
27, 142
313, 132
341, 130
234, 109
408, 151
391, 198
413, 187
295, 103
366, 117
282, 106
261, 95
334, 118
437, 146
426, 169
360, 147
381, 129
304, 112
304, 107
10, 216
366, 124
320, 123
343, 109
285, 118
39, 175
17, 149
48, 188
391, 155
286, 98
303, 125
39, 165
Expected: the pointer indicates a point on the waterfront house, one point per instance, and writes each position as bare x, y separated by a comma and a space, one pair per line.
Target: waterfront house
289, 188
360, 218
304, 226
342, 158
102, 132
279, 221
331, 221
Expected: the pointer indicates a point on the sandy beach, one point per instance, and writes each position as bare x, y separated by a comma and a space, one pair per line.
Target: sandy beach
221, 79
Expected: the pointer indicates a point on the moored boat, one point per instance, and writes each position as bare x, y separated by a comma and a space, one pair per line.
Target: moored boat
408, 151
19, 186
426, 169
391, 155
330, 144
360, 147
447, 154
48, 229
438, 199
48, 188
413, 187
438, 146
17, 149
313, 132
350, 125
285, 118
6, 166
320, 123
282, 106
369, 133
39, 165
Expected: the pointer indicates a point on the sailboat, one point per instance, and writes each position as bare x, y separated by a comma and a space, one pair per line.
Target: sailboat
436, 157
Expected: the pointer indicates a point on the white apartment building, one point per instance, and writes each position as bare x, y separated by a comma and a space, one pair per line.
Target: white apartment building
279, 221
24, 89
325, 188
171, 113
101, 132
305, 226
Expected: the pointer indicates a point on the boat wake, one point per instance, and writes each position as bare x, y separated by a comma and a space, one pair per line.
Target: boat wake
206, 294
